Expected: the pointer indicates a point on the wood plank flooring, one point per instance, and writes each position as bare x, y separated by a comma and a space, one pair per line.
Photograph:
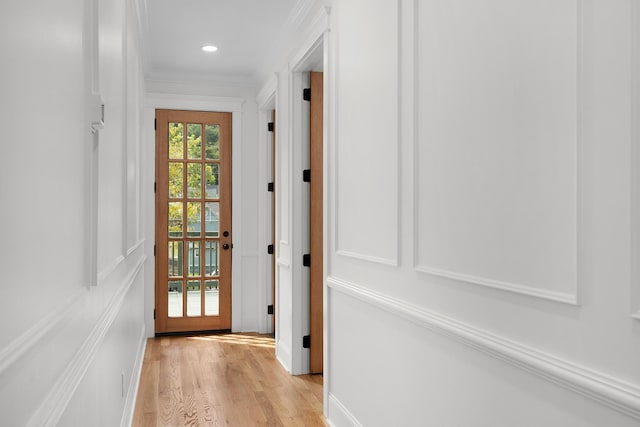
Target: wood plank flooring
223, 380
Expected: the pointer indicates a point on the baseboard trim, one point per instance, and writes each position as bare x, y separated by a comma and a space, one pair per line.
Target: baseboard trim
615, 393
134, 383
283, 355
56, 401
339, 415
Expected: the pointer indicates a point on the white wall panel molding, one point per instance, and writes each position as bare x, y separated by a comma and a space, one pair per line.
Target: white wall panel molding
366, 202
284, 263
615, 393
194, 102
635, 159
141, 15
132, 393
284, 250
568, 298
135, 247
301, 60
339, 415
266, 96
368, 258
20, 346
110, 268
54, 404
485, 132
307, 19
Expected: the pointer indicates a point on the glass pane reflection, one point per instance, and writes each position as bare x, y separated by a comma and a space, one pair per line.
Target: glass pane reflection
175, 298
211, 298
194, 298
211, 257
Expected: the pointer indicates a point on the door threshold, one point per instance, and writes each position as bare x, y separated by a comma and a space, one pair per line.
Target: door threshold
192, 333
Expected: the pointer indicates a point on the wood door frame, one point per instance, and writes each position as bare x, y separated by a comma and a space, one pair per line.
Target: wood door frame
163, 323
273, 222
316, 223
203, 103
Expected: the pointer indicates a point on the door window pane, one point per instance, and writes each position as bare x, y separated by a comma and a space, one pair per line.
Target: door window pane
211, 171
212, 219
175, 259
175, 219
193, 219
212, 151
211, 258
175, 180
193, 260
194, 141
193, 298
176, 146
194, 180
211, 299
175, 298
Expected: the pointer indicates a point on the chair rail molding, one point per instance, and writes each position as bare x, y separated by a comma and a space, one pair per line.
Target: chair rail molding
56, 401
615, 393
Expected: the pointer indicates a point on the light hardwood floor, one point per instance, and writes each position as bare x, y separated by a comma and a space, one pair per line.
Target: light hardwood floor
223, 380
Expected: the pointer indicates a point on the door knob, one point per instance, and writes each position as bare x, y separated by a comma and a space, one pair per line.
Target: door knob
225, 246
225, 233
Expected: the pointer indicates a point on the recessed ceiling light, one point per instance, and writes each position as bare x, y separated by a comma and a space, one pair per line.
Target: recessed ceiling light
209, 48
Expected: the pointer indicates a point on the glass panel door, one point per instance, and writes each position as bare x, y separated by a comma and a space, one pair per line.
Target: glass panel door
193, 221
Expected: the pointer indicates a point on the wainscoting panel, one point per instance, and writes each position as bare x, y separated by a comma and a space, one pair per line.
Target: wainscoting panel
617, 394
497, 149
367, 197
635, 159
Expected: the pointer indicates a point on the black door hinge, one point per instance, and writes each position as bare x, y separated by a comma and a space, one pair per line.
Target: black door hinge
154, 314
270, 309
306, 260
155, 187
270, 249
270, 126
270, 187
155, 124
306, 175
306, 94
306, 341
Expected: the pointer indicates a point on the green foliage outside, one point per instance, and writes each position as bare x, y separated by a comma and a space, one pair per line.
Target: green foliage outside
193, 172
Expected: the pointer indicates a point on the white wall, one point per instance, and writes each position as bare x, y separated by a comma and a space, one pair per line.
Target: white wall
71, 257
481, 264
249, 283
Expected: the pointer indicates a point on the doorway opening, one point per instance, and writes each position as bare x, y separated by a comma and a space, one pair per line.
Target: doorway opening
193, 221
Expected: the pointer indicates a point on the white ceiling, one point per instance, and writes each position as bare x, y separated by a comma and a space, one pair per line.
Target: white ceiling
243, 30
